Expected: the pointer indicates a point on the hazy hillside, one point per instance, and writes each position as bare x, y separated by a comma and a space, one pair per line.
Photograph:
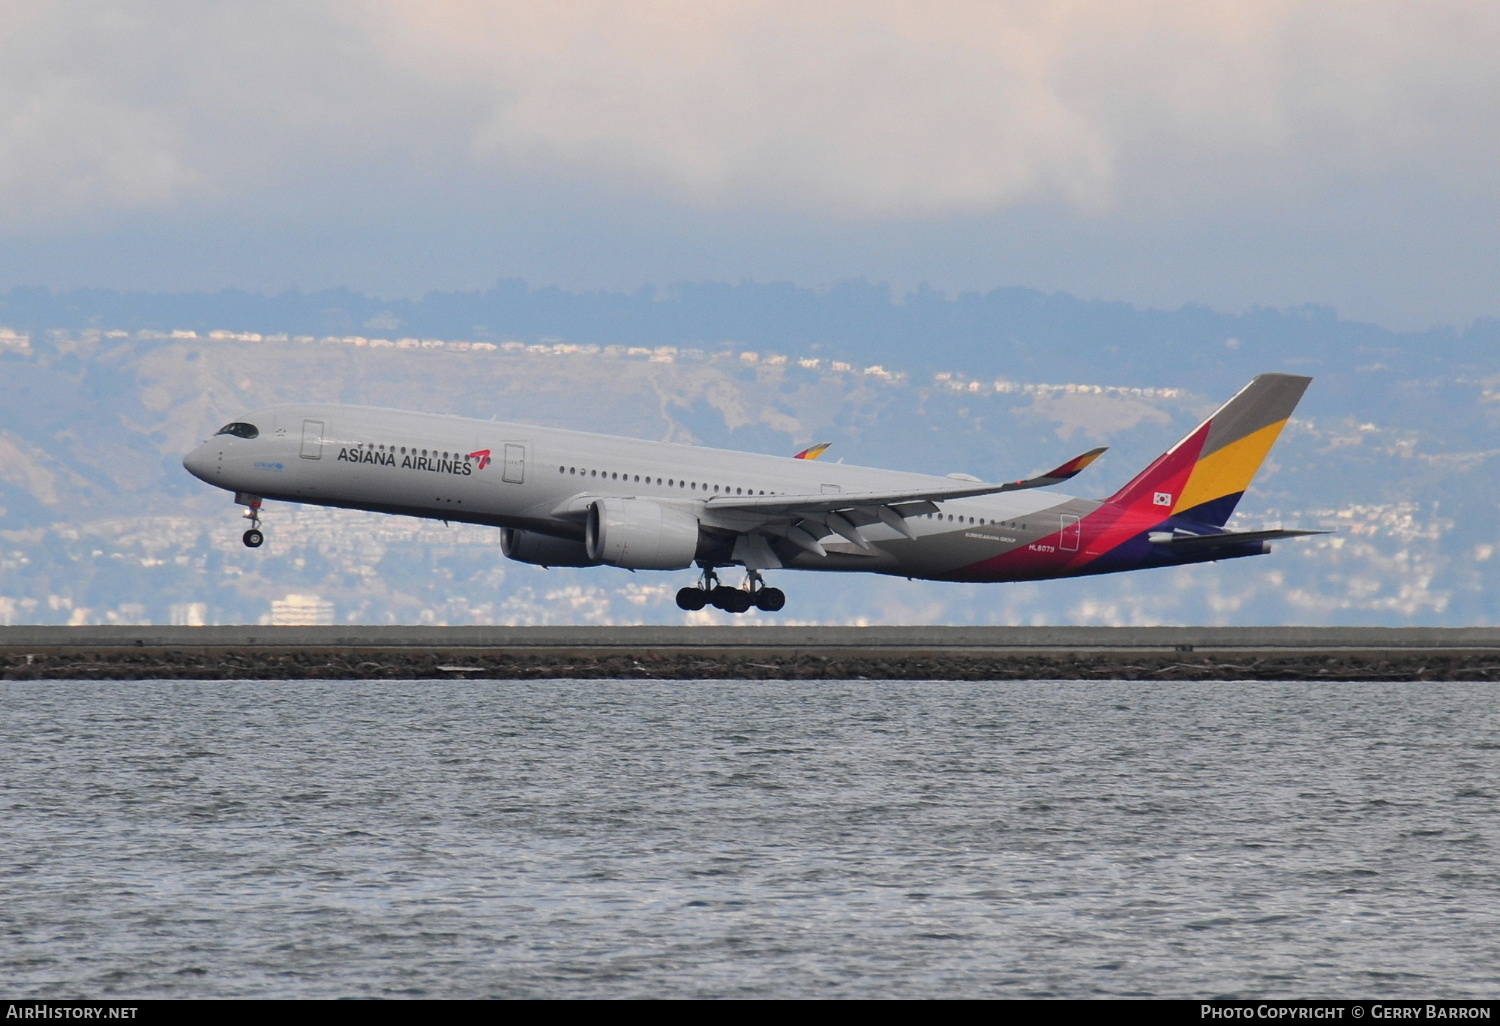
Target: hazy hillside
1395, 445
1021, 332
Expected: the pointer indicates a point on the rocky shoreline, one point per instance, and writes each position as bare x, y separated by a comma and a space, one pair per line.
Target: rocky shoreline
302, 663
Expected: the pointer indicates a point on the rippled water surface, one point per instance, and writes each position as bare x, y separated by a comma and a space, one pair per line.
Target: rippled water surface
630, 838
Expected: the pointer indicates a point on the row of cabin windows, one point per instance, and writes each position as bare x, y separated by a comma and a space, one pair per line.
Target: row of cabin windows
978, 521
413, 451
671, 482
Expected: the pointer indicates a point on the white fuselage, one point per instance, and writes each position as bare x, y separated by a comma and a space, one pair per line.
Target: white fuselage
544, 479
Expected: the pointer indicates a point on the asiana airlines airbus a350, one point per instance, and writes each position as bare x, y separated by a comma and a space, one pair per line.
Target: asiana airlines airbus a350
567, 498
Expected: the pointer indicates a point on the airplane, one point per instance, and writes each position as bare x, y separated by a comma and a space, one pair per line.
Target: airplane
573, 499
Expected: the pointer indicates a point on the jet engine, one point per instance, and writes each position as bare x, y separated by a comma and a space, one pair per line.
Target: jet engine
543, 549
640, 535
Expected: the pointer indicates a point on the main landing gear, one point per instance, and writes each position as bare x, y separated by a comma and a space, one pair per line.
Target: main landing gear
252, 538
710, 592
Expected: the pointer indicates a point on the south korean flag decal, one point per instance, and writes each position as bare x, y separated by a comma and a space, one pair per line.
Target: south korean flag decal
1162, 498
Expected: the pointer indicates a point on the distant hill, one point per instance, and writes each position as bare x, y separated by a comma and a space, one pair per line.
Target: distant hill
1015, 331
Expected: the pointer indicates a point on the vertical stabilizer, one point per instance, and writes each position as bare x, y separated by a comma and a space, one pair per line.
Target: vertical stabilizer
1202, 477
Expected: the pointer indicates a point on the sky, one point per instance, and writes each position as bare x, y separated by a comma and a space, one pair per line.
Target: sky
1230, 154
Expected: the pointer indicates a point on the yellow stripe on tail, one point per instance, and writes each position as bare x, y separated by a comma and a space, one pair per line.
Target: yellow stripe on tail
1228, 471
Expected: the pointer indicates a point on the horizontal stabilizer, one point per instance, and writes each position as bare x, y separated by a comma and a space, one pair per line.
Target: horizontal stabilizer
1196, 542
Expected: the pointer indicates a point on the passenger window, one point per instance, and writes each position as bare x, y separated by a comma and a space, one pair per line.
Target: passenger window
240, 429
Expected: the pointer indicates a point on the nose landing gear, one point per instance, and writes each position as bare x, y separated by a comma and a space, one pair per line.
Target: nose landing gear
753, 592
252, 538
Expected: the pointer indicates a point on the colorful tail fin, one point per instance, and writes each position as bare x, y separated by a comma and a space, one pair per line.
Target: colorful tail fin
1202, 477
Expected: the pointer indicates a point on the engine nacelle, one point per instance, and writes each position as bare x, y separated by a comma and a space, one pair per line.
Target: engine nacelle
638, 534
543, 549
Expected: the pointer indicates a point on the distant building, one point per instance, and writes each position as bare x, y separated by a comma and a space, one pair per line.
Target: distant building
128, 613
301, 611
189, 614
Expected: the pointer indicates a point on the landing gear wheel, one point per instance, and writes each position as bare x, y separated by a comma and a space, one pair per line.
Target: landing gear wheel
770, 600
736, 601
753, 594
253, 539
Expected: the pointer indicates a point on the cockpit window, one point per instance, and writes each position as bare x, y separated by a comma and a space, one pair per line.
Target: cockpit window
240, 430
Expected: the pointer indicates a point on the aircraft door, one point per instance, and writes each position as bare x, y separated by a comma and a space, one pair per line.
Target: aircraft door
312, 439
515, 463
1071, 533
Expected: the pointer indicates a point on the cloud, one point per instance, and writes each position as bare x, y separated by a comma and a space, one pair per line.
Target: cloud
863, 109
68, 141
888, 109
64, 148
868, 109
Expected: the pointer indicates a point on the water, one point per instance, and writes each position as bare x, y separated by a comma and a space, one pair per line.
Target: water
632, 838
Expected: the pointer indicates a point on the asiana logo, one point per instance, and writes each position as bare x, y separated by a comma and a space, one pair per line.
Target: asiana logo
461, 466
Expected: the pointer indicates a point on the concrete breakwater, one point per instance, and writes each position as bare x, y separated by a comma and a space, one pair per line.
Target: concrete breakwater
798, 652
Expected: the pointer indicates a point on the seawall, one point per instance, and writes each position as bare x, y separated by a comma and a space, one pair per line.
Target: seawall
752, 652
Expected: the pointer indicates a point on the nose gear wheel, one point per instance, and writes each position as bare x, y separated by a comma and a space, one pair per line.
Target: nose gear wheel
253, 538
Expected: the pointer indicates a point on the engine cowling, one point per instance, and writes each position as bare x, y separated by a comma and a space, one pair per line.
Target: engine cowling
641, 535
543, 549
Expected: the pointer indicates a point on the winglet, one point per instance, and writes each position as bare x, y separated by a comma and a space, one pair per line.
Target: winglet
1074, 466
1070, 469
813, 452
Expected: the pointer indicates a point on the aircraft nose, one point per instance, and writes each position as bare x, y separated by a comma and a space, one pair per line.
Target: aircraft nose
198, 462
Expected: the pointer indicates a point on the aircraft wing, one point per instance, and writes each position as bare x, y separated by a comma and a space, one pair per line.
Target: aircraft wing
832, 502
